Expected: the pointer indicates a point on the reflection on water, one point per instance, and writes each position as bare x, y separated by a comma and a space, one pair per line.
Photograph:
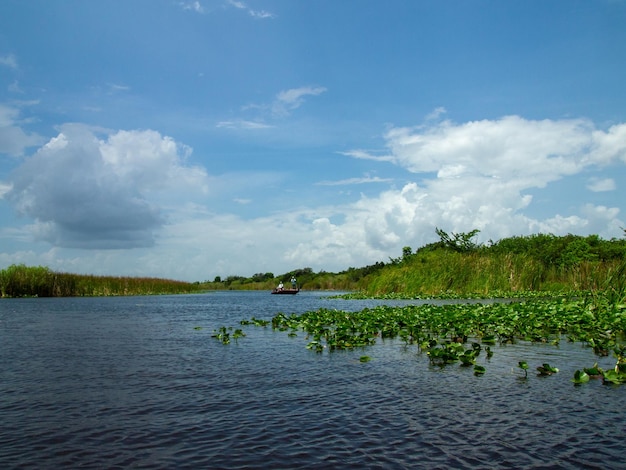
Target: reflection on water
130, 382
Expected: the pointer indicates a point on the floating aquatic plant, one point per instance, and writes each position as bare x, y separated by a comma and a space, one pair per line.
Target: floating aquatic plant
479, 370
524, 366
222, 335
580, 377
442, 332
238, 333
546, 369
255, 321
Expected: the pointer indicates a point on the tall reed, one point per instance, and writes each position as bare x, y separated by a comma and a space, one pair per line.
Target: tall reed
23, 281
437, 272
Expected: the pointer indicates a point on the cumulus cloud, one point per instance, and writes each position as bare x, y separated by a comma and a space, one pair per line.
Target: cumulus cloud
472, 175
476, 175
535, 152
84, 191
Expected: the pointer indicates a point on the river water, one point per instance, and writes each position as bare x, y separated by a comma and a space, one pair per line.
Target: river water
132, 382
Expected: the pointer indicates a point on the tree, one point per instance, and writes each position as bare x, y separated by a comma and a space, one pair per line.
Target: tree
460, 242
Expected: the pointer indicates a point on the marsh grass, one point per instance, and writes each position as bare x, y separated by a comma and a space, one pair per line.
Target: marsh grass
23, 281
483, 274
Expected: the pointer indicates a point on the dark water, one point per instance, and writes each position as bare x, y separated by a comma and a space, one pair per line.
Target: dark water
129, 383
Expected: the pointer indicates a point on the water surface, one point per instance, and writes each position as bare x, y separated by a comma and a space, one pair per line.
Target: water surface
130, 382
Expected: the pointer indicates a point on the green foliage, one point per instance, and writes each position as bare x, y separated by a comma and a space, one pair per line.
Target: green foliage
23, 281
546, 369
459, 242
457, 266
442, 332
565, 251
524, 366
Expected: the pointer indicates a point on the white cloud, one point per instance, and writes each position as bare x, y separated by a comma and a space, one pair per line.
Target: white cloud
192, 6
608, 146
436, 113
283, 104
4, 188
466, 176
89, 193
239, 5
474, 175
242, 124
363, 180
364, 155
601, 184
293, 98
13, 139
533, 152
262, 14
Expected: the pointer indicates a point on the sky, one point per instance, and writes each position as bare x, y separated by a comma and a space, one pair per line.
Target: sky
189, 139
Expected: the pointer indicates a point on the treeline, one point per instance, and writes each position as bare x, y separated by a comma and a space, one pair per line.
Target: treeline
546, 263
305, 277
24, 281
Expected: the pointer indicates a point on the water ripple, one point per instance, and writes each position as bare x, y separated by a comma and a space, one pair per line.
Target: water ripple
129, 383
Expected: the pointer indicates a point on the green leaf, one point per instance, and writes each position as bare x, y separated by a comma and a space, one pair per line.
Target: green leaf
610, 376
580, 376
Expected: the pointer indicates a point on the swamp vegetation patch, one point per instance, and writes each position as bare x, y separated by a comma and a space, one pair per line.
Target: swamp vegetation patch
459, 333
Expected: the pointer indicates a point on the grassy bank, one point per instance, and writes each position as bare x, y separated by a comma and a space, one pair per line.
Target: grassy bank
23, 281
485, 274
454, 266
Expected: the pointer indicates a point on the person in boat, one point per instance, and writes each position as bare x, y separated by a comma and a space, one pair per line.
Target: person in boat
294, 283
280, 286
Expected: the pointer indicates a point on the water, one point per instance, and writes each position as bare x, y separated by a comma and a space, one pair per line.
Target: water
130, 383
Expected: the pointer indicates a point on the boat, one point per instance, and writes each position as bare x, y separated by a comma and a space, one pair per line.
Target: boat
286, 291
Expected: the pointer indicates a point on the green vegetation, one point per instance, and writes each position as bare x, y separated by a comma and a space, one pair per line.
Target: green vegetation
455, 266
23, 281
347, 280
460, 333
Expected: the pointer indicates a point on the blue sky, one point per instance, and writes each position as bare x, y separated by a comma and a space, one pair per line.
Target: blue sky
190, 139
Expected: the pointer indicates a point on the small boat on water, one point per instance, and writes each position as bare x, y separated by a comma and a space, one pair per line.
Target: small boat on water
286, 291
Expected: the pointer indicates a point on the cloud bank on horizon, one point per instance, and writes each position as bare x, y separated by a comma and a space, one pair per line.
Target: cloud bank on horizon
227, 167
